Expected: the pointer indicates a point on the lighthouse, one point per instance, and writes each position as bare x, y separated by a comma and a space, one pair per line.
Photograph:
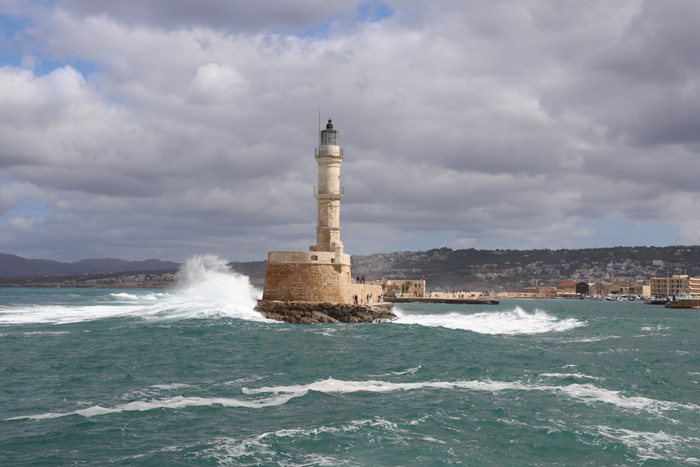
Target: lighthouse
322, 274
328, 193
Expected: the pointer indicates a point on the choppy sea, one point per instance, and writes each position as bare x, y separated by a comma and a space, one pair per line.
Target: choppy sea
194, 376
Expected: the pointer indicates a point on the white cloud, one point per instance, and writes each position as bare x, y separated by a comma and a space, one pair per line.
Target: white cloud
22, 223
464, 123
214, 82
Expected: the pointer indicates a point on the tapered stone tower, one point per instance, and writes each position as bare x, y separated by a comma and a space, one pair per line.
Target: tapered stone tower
321, 274
328, 193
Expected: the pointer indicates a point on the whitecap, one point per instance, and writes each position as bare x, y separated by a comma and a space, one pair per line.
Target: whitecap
584, 392
650, 445
513, 322
409, 371
167, 387
247, 379
207, 290
228, 450
172, 403
587, 393
35, 333
55, 314
124, 296
586, 340
569, 375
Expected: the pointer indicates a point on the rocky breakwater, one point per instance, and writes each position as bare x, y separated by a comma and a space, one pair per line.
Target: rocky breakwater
317, 313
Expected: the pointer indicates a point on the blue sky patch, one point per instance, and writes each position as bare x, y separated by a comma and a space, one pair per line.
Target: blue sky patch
12, 37
10, 28
29, 209
319, 29
373, 12
44, 67
369, 12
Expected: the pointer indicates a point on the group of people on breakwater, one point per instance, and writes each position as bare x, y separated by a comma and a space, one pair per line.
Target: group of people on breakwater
368, 299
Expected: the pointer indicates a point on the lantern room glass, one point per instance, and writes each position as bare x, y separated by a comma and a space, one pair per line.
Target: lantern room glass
329, 138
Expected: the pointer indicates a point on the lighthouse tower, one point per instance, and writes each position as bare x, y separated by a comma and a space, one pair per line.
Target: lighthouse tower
322, 274
328, 193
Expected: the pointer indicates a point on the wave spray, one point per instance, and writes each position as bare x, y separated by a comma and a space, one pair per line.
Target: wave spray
513, 322
207, 287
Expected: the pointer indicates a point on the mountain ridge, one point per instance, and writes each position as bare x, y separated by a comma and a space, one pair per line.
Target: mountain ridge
16, 266
465, 269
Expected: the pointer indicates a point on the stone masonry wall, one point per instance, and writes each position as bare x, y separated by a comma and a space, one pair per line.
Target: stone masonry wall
362, 290
308, 282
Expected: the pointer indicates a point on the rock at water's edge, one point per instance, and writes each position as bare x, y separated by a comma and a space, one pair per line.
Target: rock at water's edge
316, 313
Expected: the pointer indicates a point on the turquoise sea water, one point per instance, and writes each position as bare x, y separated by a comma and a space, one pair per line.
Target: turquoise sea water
196, 377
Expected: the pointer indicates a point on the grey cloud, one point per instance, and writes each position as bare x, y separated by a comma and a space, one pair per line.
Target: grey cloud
286, 15
477, 124
641, 87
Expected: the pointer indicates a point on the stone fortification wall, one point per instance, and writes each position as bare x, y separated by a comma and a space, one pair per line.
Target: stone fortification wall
308, 277
362, 290
308, 257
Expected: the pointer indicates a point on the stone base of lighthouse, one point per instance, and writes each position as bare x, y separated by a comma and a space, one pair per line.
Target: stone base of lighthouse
313, 276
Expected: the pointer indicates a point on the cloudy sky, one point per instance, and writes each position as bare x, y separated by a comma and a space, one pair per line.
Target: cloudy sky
164, 128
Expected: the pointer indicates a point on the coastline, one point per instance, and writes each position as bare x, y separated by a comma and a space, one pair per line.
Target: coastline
127, 280
463, 301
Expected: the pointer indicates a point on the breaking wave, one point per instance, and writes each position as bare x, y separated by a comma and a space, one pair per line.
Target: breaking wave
206, 288
279, 395
514, 322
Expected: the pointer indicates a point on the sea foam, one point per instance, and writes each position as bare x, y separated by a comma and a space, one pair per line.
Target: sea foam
178, 402
584, 392
206, 288
279, 395
57, 314
651, 445
124, 296
514, 322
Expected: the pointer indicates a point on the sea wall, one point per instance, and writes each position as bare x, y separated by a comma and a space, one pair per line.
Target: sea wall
363, 290
463, 301
693, 303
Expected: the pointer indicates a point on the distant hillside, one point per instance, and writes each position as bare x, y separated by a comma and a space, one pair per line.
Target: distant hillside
15, 266
513, 269
441, 268
472, 269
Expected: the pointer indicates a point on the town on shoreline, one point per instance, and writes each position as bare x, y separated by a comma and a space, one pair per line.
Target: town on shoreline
677, 286
604, 273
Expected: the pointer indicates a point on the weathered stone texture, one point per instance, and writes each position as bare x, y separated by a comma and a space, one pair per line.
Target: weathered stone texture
308, 282
362, 290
